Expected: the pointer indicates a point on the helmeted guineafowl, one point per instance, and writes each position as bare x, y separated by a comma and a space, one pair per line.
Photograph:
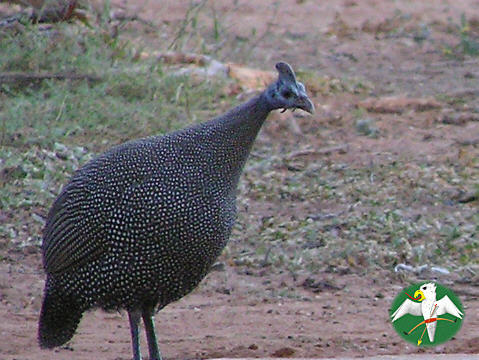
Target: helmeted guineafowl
139, 226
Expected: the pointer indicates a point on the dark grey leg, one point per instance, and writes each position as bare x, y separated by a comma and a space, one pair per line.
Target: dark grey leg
134, 317
150, 333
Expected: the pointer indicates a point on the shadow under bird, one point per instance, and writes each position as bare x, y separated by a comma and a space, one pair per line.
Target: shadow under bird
140, 226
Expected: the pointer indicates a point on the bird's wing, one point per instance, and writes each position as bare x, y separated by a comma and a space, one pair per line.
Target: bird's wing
86, 217
73, 232
446, 306
407, 307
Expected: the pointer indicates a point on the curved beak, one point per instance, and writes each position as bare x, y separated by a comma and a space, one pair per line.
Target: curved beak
417, 293
306, 104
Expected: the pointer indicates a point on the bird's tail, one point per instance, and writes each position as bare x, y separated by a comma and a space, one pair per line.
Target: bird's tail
59, 319
431, 330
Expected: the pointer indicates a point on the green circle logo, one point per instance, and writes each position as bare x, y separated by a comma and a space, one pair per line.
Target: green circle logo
426, 314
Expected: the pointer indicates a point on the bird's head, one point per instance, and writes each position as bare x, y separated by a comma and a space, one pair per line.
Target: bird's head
426, 291
287, 93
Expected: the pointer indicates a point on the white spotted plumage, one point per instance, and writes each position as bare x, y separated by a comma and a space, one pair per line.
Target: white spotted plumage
140, 226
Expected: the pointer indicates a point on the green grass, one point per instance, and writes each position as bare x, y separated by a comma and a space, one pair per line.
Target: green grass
363, 222
132, 99
338, 215
49, 128
467, 33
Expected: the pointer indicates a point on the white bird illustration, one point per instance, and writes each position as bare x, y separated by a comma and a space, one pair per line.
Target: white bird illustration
429, 308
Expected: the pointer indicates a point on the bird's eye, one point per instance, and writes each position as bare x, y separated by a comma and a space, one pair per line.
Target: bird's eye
424, 288
287, 93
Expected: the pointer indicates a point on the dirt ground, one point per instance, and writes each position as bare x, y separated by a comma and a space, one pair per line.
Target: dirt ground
230, 315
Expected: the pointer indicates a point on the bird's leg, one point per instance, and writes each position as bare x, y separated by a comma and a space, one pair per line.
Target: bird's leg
134, 317
148, 319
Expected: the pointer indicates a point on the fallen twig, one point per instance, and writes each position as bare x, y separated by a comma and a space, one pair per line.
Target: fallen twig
324, 151
61, 11
17, 77
468, 197
453, 118
468, 142
54, 13
398, 104
463, 93
175, 57
120, 15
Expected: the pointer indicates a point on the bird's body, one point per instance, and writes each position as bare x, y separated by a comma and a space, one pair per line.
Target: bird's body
150, 206
428, 310
140, 226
